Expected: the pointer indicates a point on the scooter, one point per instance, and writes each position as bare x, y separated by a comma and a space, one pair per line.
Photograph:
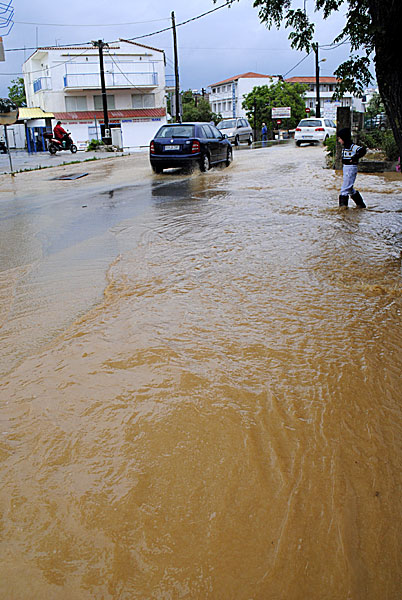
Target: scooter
59, 145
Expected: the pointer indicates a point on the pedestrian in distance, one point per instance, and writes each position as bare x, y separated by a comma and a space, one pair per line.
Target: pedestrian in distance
264, 133
351, 154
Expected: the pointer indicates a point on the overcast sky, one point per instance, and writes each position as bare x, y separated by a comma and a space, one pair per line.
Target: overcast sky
227, 42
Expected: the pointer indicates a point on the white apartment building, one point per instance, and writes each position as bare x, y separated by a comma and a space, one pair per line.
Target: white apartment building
226, 97
327, 88
65, 81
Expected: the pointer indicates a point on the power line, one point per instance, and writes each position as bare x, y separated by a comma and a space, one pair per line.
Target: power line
299, 63
90, 24
53, 66
134, 38
139, 37
124, 75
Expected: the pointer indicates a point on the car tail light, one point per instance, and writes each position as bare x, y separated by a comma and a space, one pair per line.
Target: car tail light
195, 147
319, 129
152, 148
298, 129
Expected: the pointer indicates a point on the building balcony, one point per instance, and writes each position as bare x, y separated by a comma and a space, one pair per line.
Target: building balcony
43, 83
170, 81
88, 81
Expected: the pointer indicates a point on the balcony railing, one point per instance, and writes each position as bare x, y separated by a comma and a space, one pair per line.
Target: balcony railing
112, 80
170, 81
43, 83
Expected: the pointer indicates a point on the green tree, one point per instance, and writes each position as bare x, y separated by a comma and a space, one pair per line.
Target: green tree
372, 27
16, 92
375, 106
197, 110
265, 97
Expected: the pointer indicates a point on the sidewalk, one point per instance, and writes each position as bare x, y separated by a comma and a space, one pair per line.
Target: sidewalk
23, 161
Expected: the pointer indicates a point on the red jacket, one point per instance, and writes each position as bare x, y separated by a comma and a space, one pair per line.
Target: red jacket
59, 132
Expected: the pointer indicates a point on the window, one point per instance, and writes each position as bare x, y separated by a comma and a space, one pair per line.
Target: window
74, 103
215, 133
206, 131
143, 100
98, 105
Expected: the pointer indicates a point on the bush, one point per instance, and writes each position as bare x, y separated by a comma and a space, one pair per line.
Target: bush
389, 146
380, 140
330, 144
94, 145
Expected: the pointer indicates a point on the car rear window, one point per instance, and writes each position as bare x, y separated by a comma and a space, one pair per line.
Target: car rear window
310, 123
177, 131
228, 124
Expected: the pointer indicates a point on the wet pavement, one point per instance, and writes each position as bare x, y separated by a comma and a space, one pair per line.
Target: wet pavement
201, 383
24, 161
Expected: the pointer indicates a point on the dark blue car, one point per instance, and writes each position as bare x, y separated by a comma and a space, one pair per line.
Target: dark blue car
184, 144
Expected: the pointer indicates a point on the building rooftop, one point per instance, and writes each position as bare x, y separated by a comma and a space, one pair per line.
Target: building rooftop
249, 75
311, 79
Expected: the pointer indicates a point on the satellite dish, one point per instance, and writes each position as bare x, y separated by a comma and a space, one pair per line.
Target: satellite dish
8, 112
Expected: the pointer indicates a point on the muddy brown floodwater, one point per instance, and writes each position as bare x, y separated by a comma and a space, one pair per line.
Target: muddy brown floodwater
223, 421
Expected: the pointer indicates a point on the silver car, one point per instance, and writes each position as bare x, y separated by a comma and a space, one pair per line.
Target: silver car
237, 130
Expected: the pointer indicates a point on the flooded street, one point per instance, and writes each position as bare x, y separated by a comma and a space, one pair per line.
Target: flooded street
201, 389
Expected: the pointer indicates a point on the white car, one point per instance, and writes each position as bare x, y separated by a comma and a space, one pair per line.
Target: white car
314, 130
237, 130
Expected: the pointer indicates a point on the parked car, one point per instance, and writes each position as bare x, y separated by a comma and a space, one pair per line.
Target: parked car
380, 121
238, 130
184, 144
314, 130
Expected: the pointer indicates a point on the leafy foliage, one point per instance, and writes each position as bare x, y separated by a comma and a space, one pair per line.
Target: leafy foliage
197, 110
375, 106
380, 140
16, 92
280, 94
94, 145
359, 31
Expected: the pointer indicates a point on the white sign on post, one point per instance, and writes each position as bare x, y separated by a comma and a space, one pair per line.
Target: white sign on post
329, 111
281, 112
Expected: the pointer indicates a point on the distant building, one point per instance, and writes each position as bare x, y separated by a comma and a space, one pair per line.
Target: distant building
65, 81
327, 88
226, 97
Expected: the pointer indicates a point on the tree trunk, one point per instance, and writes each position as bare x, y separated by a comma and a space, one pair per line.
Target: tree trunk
386, 16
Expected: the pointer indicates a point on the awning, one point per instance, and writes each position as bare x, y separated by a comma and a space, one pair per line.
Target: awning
89, 115
33, 113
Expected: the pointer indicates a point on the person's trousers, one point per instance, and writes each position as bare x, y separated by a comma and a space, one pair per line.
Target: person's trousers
349, 177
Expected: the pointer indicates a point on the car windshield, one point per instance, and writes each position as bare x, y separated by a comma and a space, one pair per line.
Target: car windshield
308, 123
176, 131
228, 124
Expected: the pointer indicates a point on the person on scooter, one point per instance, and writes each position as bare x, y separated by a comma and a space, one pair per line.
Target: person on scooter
61, 134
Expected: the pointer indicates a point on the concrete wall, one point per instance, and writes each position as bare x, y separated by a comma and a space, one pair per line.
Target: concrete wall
135, 134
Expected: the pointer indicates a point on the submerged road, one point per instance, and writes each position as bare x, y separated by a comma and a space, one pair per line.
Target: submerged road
201, 383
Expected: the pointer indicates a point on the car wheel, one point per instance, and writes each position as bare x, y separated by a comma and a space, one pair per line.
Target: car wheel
157, 169
250, 140
205, 163
298, 143
237, 141
73, 149
52, 149
229, 157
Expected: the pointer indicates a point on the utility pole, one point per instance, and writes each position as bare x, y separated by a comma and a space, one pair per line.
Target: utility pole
106, 138
255, 119
176, 71
317, 80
